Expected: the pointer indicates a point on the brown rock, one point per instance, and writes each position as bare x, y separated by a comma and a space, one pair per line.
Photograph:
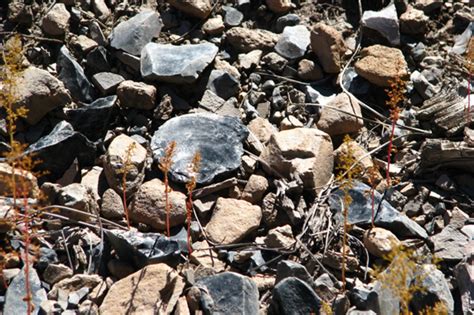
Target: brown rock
279, 6
203, 258
380, 242
254, 189
56, 21
149, 205
308, 70
280, 237
136, 95
336, 122
75, 283
232, 220
24, 180
78, 197
380, 65
327, 43
112, 205
155, 289
246, 40
197, 8
262, 129
413, 21
214, 26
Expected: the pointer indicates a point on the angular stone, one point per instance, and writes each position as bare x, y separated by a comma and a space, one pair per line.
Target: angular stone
288, 268
56, 21
302, 152
279, 6
228, 293
202, 257
464, 274
137, 95
73, 77
413, 22
255, 189
280, 237
428, 6
24, 180
274, 61
218, 139
247, 40
196, 8
232, 220
293, 42
97, 61
384, 22
149, 205
56, 272
262, 129
102, 12
214, 26
154, 289
380, 65
223, 84
83, 44
293, 296
327, 43
78, 197
107, 82
132, 35
39, 92
286, 20
232, 16
176, 64
75, 283
450, 244
112, 205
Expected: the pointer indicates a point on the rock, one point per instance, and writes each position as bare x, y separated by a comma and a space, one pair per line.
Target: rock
19, 12
246, 40
137, 95
413, 22
232, 220
290, 122
301, 152
380, 65
464, 275
100, 9
274, 61
56, 272
279, 6
93, 119
335, 122
112, 205
214, 26
309, 70
428, 6
218, 139
384, 22
262, 129
39, 92
280, 237
380, 242
327, 43
56, 21
75, 283
286, 20
78, 197
24, 180
176, 64
228, 293
97, 61
293, 296
73, 77
132, 295
16, 292
125, 154
203, 257
288, 268
360, 212
49, 307
232, 16
293, 42
250, 60
423, 86
255, 189
196, 8
132, 35
76, 297
58, 150
211, 102
107, 82
149, 206
95, 32
449, 244
364, 299
223, 84
83, 44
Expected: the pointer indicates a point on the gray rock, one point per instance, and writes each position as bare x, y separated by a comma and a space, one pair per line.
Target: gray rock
388, 217
293, 42
228, 293
465, 279
56, 20
78, 197
223, 84
14, 298
112, 205
288, 268
423, 86
176, 64
107, 82
132, 35
364, 299
97, 61
449, 244
385, 22
211, 102
293, 296
73, 77
286, 20
462, 41
218, 139
232, 16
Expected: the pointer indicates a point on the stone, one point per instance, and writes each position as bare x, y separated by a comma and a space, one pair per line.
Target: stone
19, 12
49, 307
449, 244
56, 21
16, 292
342, 122
364, 298
78, 197
218, 139
197, 8
97, 61
39, 92
380, 65
221, 64
83, 44
75, 283
464, 275
308, 70
203, 257
223, 84
301, 152
132, 35
294, 296
176, 64
288, 268
360, 212
107, 82
100, 9
249, 60
133, 294
290, 122
137, 95
72, 75
76, 297
228, 293
255, 189
232, 220
262, 129
327, 43
413, 22
95, 32
211, 102
384, 22
56, 272
280, 237
293, 42
246, 40
214, 26
286, 20
274, 61
58, 150
380, 242
112, 205
279, 6
428, 6
149, 205
23, 179
232, 16
125, 154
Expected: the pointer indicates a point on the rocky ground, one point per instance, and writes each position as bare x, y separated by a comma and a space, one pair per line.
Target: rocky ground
264, 92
